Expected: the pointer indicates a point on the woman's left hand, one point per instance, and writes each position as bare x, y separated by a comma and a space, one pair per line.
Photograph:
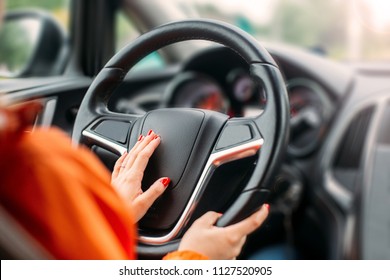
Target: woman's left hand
129, 171
14, 120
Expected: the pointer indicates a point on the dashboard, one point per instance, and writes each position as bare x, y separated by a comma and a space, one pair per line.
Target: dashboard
218, 79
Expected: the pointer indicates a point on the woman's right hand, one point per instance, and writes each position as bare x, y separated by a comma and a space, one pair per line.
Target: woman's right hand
129, 171
220, 243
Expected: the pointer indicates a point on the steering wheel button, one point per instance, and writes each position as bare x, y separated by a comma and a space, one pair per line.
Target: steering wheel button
114, 130
233, 135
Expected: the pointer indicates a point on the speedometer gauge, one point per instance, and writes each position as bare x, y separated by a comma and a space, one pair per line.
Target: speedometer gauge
242, 85
243, 88
308, 109
193, 90
248, 97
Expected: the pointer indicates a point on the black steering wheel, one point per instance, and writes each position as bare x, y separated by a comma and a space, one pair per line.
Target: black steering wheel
215, 163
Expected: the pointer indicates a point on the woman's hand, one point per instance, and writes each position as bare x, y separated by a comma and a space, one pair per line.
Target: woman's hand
220, 243
129, 171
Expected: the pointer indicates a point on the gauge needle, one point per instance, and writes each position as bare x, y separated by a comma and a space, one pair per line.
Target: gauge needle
309, 117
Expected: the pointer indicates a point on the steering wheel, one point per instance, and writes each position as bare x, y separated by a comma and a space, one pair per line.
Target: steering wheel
214, 162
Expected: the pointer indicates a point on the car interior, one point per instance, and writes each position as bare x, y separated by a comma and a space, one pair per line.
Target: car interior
246, 121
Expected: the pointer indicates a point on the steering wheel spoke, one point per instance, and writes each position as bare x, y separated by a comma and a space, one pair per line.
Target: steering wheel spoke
92, 138
110, 132
236, 152
215, 160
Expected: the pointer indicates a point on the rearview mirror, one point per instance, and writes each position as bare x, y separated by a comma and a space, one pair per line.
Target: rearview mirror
31, 44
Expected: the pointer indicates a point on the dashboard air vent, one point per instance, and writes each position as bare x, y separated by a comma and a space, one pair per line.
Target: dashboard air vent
350, 150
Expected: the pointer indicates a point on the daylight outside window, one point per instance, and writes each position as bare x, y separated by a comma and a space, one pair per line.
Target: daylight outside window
346, 30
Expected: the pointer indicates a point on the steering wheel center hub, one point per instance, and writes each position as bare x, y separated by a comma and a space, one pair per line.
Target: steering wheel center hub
187, 141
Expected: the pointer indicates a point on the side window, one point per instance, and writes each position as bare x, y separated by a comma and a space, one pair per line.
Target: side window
126, 32
29, 27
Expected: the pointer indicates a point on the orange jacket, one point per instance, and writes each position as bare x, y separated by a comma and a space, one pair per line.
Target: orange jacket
63, 197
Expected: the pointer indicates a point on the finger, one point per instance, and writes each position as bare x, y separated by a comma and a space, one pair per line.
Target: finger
251, 223
132, 153
144, 201
118, 164
209, 219
135, 147
143, 142
138, 148
142, 159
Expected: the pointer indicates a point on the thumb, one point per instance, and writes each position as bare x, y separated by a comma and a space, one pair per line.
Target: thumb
156, 189
143, 202
209, 219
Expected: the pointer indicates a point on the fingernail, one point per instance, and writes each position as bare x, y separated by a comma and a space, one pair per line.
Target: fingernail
156, 136
140, 137
267, 206
150, 132
165, 181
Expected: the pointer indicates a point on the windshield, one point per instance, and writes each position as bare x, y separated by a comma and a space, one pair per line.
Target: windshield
347, 30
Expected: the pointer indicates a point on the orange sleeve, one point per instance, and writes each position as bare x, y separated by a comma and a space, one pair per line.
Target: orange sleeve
62, 195
185, 255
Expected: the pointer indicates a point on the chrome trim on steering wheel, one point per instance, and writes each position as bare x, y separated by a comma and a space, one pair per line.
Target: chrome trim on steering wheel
114, 147
216, 159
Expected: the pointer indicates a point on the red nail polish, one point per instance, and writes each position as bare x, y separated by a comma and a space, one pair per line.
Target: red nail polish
150, 132
267, 206
165, 181
140, 137
156, 136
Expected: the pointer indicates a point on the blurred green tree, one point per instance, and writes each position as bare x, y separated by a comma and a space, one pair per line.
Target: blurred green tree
15, 51
46, 4
311, 23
